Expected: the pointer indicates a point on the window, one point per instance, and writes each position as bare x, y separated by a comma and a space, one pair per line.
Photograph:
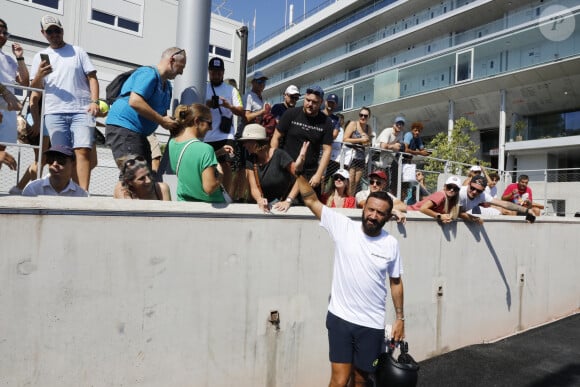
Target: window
50, 5
464, 66
123, 15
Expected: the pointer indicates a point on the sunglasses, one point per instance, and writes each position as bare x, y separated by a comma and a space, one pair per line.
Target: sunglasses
375, 182
60, 160
177, 53
52, 31
209, 122
363, 115
294, 97
131, 162
315, 92
6, 34
338, 177
452, 187
260, 81
472, 188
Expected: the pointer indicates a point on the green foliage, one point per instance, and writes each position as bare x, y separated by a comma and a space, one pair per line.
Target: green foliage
459, 149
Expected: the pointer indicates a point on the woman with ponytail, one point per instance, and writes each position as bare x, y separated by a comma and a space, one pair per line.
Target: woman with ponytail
199, 176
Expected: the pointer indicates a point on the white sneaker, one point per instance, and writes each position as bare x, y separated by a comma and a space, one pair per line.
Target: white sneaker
15, 191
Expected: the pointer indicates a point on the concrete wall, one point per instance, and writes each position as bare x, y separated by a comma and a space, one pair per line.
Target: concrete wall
109, 292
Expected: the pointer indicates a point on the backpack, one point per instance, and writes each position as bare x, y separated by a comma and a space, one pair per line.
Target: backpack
113, 90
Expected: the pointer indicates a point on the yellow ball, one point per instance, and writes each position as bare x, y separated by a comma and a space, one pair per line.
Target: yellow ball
103, 107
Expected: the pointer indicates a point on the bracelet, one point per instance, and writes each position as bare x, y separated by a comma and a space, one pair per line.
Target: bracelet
401, 318
20, 59
95, 101
289, 199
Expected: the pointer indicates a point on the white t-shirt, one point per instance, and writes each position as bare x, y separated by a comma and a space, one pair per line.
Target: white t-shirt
388, 136
230, 93
8, 70
361, 267
337, 147
66, 87
467, 204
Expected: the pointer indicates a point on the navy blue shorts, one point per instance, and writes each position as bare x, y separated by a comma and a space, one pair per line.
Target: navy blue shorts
353, 344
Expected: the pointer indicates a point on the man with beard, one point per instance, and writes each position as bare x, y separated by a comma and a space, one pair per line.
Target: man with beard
364, 256
307, 123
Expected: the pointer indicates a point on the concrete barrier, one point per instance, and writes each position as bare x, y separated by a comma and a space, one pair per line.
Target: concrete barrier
106, 292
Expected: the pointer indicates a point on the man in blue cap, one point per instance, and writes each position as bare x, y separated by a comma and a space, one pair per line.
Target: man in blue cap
330, 107
61, 162
307, 124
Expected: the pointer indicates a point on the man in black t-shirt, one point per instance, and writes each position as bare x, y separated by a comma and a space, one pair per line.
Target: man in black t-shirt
307, 123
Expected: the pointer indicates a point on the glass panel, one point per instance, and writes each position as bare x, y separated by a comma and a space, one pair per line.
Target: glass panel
128, 24
464, 64
103, 17
223, 52
47, 3
347, 98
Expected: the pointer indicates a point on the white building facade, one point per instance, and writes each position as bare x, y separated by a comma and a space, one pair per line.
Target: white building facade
500, 64
117, 34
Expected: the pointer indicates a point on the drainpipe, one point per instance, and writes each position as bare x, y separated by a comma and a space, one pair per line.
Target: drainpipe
243, 35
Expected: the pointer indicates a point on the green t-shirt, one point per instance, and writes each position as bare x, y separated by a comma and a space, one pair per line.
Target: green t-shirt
197, 157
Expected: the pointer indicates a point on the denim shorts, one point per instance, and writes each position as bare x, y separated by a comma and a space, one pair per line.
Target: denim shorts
353, 344
8, 127
70, 129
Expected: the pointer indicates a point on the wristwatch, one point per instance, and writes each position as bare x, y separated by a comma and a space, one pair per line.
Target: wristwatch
438, 216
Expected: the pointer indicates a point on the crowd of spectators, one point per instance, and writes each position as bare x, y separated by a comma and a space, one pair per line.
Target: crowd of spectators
213, 158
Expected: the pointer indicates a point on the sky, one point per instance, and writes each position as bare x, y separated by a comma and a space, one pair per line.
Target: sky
270, 15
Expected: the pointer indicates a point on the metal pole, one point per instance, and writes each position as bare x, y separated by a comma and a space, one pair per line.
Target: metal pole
243, 34
193, 26
502, 122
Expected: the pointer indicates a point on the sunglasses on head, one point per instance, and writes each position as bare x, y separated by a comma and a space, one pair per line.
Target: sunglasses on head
472, 188
315, 92
131, 162
338, 177
452, 187
60, 159
361, 115
375, 182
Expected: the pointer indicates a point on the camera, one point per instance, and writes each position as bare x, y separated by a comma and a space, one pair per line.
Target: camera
215, 102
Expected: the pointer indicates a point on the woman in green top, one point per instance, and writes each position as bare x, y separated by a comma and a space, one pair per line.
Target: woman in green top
194, 162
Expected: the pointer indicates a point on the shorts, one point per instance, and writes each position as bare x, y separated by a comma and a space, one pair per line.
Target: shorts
124, 142
69, 129
8, 133
353, 344
218, 145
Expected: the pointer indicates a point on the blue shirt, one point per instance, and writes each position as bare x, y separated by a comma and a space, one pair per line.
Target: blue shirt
414, 143
146, 82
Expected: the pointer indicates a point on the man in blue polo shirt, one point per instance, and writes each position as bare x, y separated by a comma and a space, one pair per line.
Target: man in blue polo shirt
142, 106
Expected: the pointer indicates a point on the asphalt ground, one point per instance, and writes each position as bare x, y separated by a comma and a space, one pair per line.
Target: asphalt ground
547, 356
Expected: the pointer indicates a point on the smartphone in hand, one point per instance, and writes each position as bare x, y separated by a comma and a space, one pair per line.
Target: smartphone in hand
45, 58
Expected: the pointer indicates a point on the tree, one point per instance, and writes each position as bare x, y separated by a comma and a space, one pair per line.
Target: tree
455, 154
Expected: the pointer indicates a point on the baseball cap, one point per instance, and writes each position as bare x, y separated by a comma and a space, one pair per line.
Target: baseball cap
48, 21
379, 174
62, 150
342, 172
400, 119
316, 90
453, 180
479, 179
292, 90
332, 98
258, 75
475, 168
253, 132
216, 64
